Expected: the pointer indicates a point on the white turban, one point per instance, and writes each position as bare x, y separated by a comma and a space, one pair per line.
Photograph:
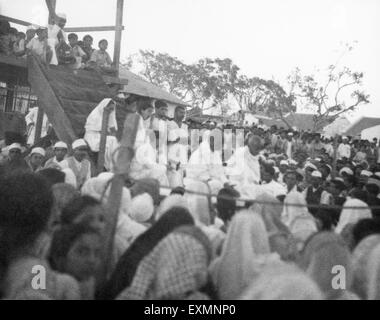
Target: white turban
142, 208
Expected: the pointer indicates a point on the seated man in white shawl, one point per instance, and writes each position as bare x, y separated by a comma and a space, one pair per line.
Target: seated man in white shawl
243, 168
144, 164
94, 129
205, 163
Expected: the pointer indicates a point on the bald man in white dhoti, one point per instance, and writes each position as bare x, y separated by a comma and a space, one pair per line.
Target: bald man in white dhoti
243, 168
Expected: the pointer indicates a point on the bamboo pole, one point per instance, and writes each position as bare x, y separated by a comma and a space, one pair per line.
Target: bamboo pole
118, 33
122, 166
103, 136
39, 122
334, 173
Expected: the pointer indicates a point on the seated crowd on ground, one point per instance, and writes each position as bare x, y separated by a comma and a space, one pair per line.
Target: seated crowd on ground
196, 229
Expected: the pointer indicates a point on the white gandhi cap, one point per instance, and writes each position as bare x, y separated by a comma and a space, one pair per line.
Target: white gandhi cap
366, 173
316, 174
79, 143
39, 151
15, 146
60, 145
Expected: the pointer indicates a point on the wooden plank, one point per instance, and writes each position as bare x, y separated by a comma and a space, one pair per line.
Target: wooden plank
122, 166
114, 80
39, 122
16, 21
118, 33
92, 29
49, 101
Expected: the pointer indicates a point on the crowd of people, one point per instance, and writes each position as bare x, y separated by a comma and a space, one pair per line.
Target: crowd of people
52, 46
271, 218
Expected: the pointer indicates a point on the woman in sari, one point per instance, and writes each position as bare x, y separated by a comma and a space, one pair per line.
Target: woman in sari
280, 238
200, 208
353, 211
175, 269
283, 282
126, 268
366, 268
322, 253
246, 252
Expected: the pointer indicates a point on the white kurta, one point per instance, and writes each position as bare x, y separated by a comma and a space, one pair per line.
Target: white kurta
205, 165
31, 118
344, 150
53, 31
243, 168
274, 189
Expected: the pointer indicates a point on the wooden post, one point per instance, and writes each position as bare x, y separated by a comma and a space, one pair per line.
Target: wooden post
103, 138
334, 173
122, 166
38, 125
118, 33
51, 5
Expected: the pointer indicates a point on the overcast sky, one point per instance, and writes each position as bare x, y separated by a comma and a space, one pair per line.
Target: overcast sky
264, 38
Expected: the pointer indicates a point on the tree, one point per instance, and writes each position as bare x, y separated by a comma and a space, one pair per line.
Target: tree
338, 93
264, 97
163, 70
206, 80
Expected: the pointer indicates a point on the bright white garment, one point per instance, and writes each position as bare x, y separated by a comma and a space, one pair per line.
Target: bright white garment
274, 189
349, 215
283, 281
329, 149
183, 145
344, 150
245, 254
78, 166
53, 31
144, 165
205, 164
94, 124
296, 216
243, 168
99, 188
31, 118
199, 208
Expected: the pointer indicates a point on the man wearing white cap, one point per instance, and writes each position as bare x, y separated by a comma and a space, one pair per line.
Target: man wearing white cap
313, 194
36, 158
288, 145
60, 151
284, 166
344, 149
30, 33
56, 33
364, 177
13, 160
78, 162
